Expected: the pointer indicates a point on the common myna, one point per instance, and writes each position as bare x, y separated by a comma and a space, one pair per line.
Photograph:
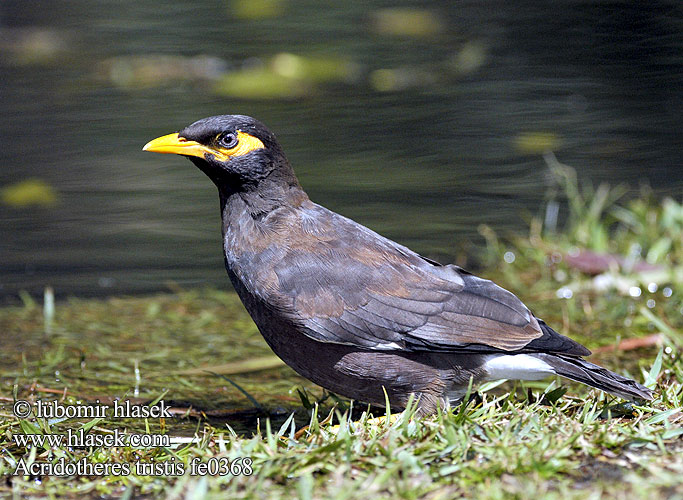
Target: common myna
355, 312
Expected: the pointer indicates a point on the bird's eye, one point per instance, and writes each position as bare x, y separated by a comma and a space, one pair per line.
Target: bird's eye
228, 140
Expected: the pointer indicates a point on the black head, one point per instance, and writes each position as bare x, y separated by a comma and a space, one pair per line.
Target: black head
237, 152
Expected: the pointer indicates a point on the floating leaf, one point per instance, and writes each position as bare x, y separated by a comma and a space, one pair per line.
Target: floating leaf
256, 9
314, 69
158, 70
395, 79
259, 83
286, 76
29, 192
33, 46
407, 22
536, 142
469, 58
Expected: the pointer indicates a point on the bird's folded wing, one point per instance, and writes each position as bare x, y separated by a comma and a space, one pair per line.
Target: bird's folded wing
413, 317
362, 289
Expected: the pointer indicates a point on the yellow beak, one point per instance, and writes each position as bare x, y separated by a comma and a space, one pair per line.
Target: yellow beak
174, 144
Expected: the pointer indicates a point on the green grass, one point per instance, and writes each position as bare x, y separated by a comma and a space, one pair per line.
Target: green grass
548, 439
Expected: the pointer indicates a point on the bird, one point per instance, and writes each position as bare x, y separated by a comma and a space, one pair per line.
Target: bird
357, 313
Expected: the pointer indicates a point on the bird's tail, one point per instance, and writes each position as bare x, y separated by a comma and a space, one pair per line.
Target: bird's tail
577, 369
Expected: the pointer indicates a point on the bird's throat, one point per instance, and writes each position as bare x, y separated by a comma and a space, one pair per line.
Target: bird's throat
259, 203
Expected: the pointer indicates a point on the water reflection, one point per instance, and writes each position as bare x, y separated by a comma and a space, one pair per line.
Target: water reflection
421, 129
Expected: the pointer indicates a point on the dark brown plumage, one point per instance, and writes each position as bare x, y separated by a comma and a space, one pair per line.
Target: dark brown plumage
353, 311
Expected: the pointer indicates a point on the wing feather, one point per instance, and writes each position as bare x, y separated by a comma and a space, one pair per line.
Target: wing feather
343, 283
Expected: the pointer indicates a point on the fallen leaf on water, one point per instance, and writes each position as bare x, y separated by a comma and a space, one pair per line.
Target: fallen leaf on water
536, 142
406, 22
256, 9
29, 192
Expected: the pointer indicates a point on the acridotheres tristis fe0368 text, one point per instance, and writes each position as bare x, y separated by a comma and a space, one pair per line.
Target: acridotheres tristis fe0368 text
353, 311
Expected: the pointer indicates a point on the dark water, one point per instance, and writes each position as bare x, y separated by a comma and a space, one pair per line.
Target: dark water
423, 163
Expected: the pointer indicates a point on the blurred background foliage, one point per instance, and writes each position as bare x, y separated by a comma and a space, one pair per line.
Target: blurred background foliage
423, 121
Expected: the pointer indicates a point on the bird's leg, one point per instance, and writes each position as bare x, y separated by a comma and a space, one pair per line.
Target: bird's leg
475, 396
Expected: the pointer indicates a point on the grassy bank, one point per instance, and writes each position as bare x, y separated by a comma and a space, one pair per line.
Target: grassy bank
548, 439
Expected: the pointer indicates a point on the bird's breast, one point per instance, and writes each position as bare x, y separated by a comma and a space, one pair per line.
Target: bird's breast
254, 250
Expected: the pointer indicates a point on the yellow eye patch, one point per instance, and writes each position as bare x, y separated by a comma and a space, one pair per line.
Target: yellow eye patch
172, 143
245, 144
